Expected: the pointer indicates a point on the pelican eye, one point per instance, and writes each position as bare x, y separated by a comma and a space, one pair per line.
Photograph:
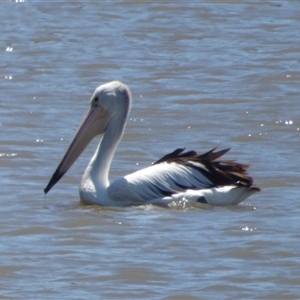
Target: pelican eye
96, 100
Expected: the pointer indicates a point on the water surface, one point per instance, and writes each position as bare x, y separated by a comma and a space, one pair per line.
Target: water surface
202, 75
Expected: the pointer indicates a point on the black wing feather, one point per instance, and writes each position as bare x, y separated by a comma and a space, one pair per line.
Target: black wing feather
219, 172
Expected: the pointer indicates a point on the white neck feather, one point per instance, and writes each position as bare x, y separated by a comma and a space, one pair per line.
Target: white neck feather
95, 180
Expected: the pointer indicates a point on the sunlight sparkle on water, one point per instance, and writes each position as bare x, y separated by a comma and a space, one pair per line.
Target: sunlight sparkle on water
246, 228
287, 122
8, 154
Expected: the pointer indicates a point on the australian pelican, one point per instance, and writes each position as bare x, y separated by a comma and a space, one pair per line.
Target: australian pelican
178, 176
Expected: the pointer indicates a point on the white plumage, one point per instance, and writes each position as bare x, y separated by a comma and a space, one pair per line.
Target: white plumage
178, 176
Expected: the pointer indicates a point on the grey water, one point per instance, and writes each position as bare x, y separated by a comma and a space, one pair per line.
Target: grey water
202, 75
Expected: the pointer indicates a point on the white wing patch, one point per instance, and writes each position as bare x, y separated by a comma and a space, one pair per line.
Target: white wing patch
158, 181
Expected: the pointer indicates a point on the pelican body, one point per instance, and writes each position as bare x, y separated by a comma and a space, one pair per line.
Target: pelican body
178, 176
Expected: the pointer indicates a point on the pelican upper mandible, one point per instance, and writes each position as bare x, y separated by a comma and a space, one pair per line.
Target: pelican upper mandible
180, 175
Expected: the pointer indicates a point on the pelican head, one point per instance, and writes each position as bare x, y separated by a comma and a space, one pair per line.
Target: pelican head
109, 108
